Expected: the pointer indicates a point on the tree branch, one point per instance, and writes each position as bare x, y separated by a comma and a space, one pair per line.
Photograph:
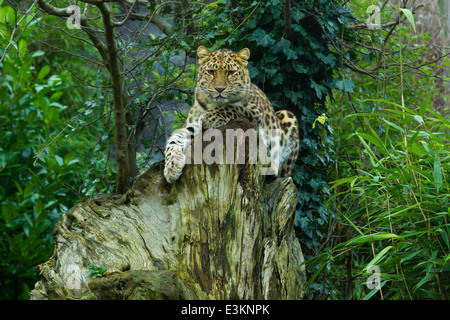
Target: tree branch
287, 19
186, 4
157, 19
121, 139
63, 13
121, 23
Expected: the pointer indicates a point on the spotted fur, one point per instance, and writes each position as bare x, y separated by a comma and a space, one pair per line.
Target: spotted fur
224, 92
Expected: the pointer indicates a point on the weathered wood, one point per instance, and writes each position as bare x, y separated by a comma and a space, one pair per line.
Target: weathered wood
220, 232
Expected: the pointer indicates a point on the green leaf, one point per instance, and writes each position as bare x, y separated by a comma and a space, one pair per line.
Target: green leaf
45, 70
23, 46
393, 125
291, 55
346, 180
372, 237
59, 160
299, 67
8, 212
318, 88
346, 85
378, 257
38, 208
213, 5
38, 54
353, 225
373, 157
437, 173
374, 290
374, 138
3, 15
55, 97
297, 15
10, 15
425, 279
262, 38
283, 45
410, 17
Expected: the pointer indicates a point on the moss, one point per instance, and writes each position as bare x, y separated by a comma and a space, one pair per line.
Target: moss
171, 196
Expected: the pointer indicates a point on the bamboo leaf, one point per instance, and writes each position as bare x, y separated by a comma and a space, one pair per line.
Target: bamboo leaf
437, 173
374, 290
439, 117
372, 237
337, 183
373, 157
425, 279
393, 125
374, 114
410, 17
383, 101
378, 257
371, 138
353, 225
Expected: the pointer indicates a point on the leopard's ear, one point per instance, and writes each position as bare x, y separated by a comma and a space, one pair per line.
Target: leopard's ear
203, 54
243, 56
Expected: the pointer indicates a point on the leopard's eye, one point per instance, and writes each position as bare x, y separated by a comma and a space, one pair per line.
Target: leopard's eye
232, 72
210, 72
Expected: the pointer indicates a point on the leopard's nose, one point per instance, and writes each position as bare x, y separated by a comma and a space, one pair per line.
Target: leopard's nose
220, 89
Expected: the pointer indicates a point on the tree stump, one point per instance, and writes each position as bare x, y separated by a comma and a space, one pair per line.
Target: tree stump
219, 232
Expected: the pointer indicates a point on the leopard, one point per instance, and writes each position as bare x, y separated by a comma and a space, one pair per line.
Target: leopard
224, 92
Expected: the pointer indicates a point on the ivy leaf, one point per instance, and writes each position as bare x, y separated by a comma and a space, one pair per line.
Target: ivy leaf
283, 45
329, 59
299, 29
277, 79
271, 71
297, 15
262, 38
346, 84
318, 88
291, 55
299, 68
268, 58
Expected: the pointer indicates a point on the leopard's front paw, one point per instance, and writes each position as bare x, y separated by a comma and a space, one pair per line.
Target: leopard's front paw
175, 161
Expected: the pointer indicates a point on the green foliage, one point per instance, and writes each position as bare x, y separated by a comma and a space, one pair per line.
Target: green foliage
31, 194
40, 152
390, 198
96, 272
297, 75
396, 204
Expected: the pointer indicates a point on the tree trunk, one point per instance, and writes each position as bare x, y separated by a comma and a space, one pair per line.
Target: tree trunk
219, 232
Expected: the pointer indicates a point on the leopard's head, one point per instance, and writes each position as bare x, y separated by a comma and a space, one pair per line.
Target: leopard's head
223, 76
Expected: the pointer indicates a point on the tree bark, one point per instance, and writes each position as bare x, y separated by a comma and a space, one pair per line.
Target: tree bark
220, 232
287, 19
122, 132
